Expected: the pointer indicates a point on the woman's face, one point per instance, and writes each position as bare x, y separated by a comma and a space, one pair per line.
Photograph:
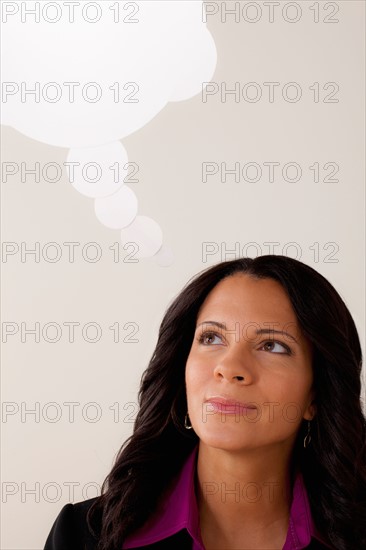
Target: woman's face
247, 361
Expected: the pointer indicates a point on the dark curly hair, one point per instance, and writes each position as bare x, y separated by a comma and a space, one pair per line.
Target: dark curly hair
334, 468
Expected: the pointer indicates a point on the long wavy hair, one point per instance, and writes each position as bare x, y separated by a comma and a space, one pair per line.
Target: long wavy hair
333, 465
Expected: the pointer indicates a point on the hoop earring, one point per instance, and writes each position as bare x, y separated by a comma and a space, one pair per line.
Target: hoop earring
307, 438
186, 425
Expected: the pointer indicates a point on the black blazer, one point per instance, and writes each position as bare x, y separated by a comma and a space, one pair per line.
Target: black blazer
70, 532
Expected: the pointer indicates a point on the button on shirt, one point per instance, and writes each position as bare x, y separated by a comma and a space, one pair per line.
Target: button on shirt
179, 511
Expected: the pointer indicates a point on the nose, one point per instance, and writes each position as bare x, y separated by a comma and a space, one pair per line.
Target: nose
235, 366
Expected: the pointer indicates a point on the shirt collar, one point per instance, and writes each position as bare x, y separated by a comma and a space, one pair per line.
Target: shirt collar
178, 510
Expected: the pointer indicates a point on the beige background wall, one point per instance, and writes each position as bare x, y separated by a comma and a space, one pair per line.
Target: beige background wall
325, 219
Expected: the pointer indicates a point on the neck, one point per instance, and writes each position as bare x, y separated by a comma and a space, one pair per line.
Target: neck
243, 495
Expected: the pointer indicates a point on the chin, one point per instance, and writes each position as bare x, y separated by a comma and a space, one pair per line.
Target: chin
224, 438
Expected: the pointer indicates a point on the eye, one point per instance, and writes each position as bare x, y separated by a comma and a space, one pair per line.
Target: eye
208, 334
270, 345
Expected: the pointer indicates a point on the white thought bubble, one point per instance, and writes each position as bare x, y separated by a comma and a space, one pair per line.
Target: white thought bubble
84, 75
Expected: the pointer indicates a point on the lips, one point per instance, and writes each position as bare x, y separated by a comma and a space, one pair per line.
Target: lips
224, 403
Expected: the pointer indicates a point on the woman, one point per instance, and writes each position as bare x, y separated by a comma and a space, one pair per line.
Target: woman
250, 432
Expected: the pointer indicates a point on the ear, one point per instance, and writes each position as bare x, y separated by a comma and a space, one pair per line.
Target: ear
310, 410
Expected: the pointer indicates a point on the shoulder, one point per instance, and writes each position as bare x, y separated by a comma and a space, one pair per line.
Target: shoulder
70, 529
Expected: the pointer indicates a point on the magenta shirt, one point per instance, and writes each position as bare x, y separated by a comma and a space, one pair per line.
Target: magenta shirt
179, 511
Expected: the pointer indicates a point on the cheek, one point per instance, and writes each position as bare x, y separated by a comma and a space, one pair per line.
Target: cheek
190, 375
195, 378
285, 391
292, 394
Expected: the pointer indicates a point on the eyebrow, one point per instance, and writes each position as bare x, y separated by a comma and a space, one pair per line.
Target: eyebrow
258, 331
